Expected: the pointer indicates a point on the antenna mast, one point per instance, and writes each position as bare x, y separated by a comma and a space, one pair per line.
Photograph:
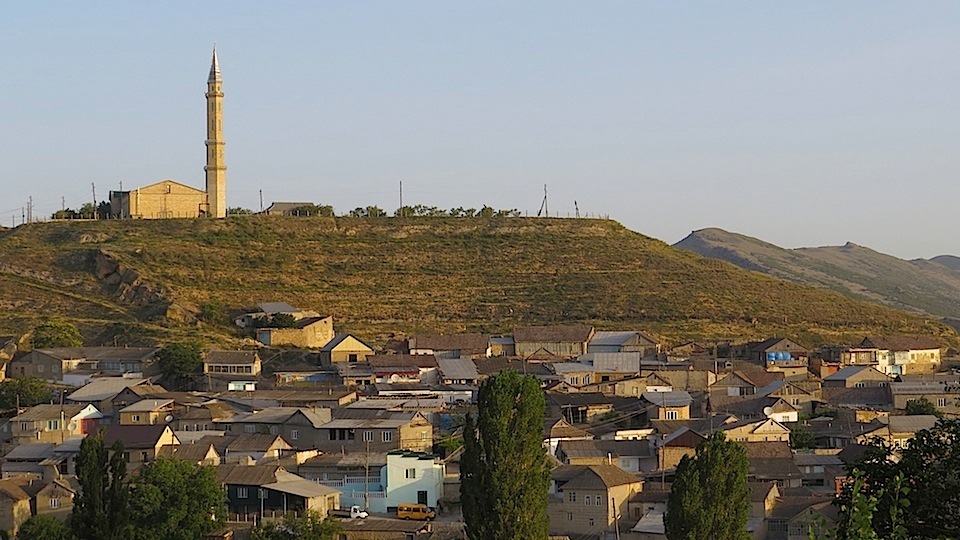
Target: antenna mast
543, 206
576, 208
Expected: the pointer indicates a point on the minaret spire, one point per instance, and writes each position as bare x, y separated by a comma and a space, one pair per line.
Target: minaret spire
214, 67
216, 168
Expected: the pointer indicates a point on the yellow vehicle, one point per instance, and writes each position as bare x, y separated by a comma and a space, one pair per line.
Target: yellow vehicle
415, 511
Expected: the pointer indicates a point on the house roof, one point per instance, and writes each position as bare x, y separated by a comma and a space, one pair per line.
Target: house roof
561, 368
286, 207
762, 346
465, 343
574, 333
595, 476
676, 398
280, 415
558, 427
232, 357
493, 366
851, 371
805, 460
103, 388
257, 442
147, 389
768, 450
293, 484
100, 353
458, 368
338, 339
248, 475
17, 488
574, 449
134, 437
908, 424
310, 321
194, 453
920, 388
30, 452
617, 338
402, 360
900, 343
147, 405
622, 362
49, 412
857, 397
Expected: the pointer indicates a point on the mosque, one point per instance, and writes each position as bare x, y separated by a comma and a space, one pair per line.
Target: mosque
169, 199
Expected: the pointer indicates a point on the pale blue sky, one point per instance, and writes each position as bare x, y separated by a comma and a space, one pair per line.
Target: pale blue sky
802, 123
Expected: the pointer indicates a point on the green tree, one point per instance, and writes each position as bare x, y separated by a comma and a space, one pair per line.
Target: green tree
178, 360
709, 498
282, 320
929, 466
43, 527
309, 526
27, 391
504, 476
173, 499
56, 334
101, 508
801, 436
922, 405
239, 211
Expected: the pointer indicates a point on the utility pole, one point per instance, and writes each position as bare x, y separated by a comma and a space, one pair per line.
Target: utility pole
544, 209
261, 200
366, 478
30, 210
94, 188
576, 208
63, 204
401, 198
616, 515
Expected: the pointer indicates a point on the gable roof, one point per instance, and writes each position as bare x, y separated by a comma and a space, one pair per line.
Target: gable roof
103, 388
851, 371
595, 476
134, 437
596, 448
573, 333
47, 411
762, 346
272, 308
458, 368
194, 453
147, 405
280, 415
402, 360
100, 353
558, 427
900, 343
465, 343
676, 398
231, 357
340, 338
257, 442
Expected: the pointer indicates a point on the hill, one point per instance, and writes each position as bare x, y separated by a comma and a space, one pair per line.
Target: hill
146, 280
920, 286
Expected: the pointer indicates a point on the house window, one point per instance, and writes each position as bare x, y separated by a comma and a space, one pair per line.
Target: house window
294, 434
243, 493
423, 435
672, 415
54, 502
352, 357
249, 428
274, 430
136, 418
24, 426
126, 457
144, 457
590, 522
53, 424
368, 436
941, 402
599, 500
39, 368
588, 500
411, 473
387, 436
859, 385
572, 496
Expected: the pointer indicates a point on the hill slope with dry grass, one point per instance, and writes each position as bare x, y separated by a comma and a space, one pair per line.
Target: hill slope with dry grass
377, 276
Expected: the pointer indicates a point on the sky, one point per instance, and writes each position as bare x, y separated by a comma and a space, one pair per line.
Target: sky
800, 123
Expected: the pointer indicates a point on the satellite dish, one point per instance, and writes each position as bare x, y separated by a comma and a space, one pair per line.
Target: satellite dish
767, 411
169, 418
72, 426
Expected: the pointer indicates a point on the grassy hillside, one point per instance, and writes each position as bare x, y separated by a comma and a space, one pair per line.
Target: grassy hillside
920, 286
378, 276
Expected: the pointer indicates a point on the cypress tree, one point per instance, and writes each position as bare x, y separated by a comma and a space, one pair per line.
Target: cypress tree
709, 499
101, 509
504, 475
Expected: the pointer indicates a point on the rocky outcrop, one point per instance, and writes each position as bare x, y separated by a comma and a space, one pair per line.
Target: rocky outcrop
125, 283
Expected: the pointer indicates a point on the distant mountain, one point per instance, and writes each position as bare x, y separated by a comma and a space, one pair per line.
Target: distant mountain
921, 286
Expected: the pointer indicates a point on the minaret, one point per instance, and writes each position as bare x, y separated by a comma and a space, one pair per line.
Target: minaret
216, 168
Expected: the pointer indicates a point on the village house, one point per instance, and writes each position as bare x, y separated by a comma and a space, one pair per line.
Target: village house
147, 412
897, 430
688, 351
633, 456
755, 407
301, 427
589, 499
766, 430
779, 354
624, 342
673, 405
945, 396
901, 355
101, 392
773, 462
196, 453
16, 495
560, 342
857, 377
671, 449
55, 363
249, 448
132, 394
203, 417
270, 491
402, 477
54, 423
798, 397
344, 348
232, 362
352, 430
743, 383
557, 430
308, 333
458, 371
401, 368
579, 408
141, 444
574, 374
450, 346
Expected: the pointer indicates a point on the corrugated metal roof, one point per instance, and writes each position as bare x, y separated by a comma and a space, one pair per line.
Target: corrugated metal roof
676, 398
458, 368
148, 405
103, 388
